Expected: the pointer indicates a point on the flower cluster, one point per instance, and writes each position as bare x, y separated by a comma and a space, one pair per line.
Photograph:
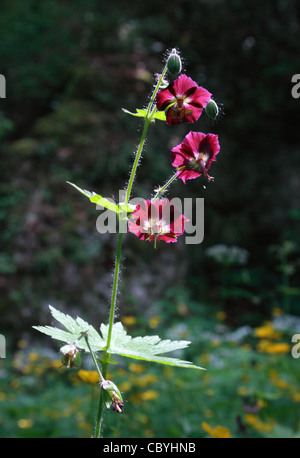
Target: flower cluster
182, 101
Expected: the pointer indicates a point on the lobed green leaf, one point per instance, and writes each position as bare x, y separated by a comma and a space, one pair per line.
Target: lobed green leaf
103, 202
160, 115
148, 348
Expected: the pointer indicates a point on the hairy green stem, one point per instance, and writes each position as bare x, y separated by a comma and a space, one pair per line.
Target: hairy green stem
99, 418
151, 110
148, 118
162, 189
94, 359
102, 376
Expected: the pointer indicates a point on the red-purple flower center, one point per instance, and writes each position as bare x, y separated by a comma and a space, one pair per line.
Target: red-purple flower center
183, 100
179, 110
157, 220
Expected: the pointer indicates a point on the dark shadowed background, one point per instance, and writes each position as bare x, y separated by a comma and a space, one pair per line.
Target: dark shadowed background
69, 69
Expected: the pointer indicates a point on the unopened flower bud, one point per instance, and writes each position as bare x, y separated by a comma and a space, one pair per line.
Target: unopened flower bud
212, 109
174, 64
113, 396
70, 355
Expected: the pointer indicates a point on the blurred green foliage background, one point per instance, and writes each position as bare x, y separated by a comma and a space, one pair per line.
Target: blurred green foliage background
69, 70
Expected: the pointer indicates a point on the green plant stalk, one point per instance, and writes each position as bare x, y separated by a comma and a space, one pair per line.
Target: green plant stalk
162, 189
99, 418
149, 116
102, 377
106, 356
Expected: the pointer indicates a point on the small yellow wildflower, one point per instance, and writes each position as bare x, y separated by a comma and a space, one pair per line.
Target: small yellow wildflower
25, 423
267, 331
218, 432
138, 368
280, 348
88, 376
33, 356
129, 320
272, 348
261, 403
277, 381
56, 364
154, 322
149, 395
280, 383
259, 425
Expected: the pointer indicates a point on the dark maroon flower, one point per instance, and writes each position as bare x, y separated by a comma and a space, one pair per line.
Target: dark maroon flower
193, 157
158, 220
183, 99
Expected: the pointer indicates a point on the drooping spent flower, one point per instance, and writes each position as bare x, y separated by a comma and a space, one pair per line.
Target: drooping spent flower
183, 99
193, 157
70, 355
156, 221
113, 396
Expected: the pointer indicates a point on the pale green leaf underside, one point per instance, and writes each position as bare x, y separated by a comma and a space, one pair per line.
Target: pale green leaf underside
148, 348
102, 201
139, 113
74, 328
